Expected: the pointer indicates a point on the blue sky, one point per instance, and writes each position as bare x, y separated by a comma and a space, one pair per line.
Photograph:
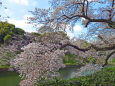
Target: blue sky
17, 10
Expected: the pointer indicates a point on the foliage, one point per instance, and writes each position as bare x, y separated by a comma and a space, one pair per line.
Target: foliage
5, 57
7, 38
36, 34
44, 58
58, 82
52, 37
88, 60
105, 77
112, 61
19, 31
38, 60
4, 66
69, 59
7, 31
97, 15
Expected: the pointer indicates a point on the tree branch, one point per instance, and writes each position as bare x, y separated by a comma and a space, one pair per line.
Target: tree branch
96, 48
76, 47
106, 60
109, 22
88, 48
105, 41
103, 48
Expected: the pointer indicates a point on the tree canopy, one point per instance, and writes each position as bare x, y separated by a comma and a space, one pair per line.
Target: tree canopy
96, 15
7, 31
43, 58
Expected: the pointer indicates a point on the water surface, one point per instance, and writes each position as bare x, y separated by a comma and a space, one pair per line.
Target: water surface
67, 72
9, 79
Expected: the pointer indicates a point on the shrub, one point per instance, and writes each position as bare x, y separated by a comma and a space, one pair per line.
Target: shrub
19, 31
69, 59
5, 57
35, 34
105, 77
7, 38
7, 31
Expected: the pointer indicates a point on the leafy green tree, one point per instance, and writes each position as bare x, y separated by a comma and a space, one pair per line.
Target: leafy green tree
7, 31
7, 38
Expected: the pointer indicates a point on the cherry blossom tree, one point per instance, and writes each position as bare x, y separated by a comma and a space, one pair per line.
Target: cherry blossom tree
44, 58
40, 59
97, 15
64, 13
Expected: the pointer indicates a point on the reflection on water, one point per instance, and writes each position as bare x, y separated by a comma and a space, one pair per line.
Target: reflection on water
9, 79
12, 78
67, 72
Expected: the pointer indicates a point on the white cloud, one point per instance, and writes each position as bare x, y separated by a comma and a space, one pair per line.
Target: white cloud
70, 34
23, 2
22, 24
77, 28
28, 28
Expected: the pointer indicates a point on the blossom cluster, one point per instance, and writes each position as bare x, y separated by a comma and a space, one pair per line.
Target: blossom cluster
38, 60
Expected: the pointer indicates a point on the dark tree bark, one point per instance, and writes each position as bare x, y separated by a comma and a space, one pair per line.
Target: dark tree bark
76, 47
106, 60
94, 47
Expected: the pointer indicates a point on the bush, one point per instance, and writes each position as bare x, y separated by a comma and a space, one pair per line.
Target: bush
19, 31
105, 77
36, 34
7, 31
5, 57
7, 38
58, 82
69, 59
88, 60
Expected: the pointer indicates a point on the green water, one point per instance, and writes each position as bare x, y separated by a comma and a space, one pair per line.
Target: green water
9, 79
13, 79
67, 72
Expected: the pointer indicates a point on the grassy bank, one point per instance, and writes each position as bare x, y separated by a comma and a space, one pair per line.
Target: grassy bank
105, 77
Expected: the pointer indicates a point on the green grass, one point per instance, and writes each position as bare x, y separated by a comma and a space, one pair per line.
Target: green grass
112, 61
9, 79
69, 59
5, 66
